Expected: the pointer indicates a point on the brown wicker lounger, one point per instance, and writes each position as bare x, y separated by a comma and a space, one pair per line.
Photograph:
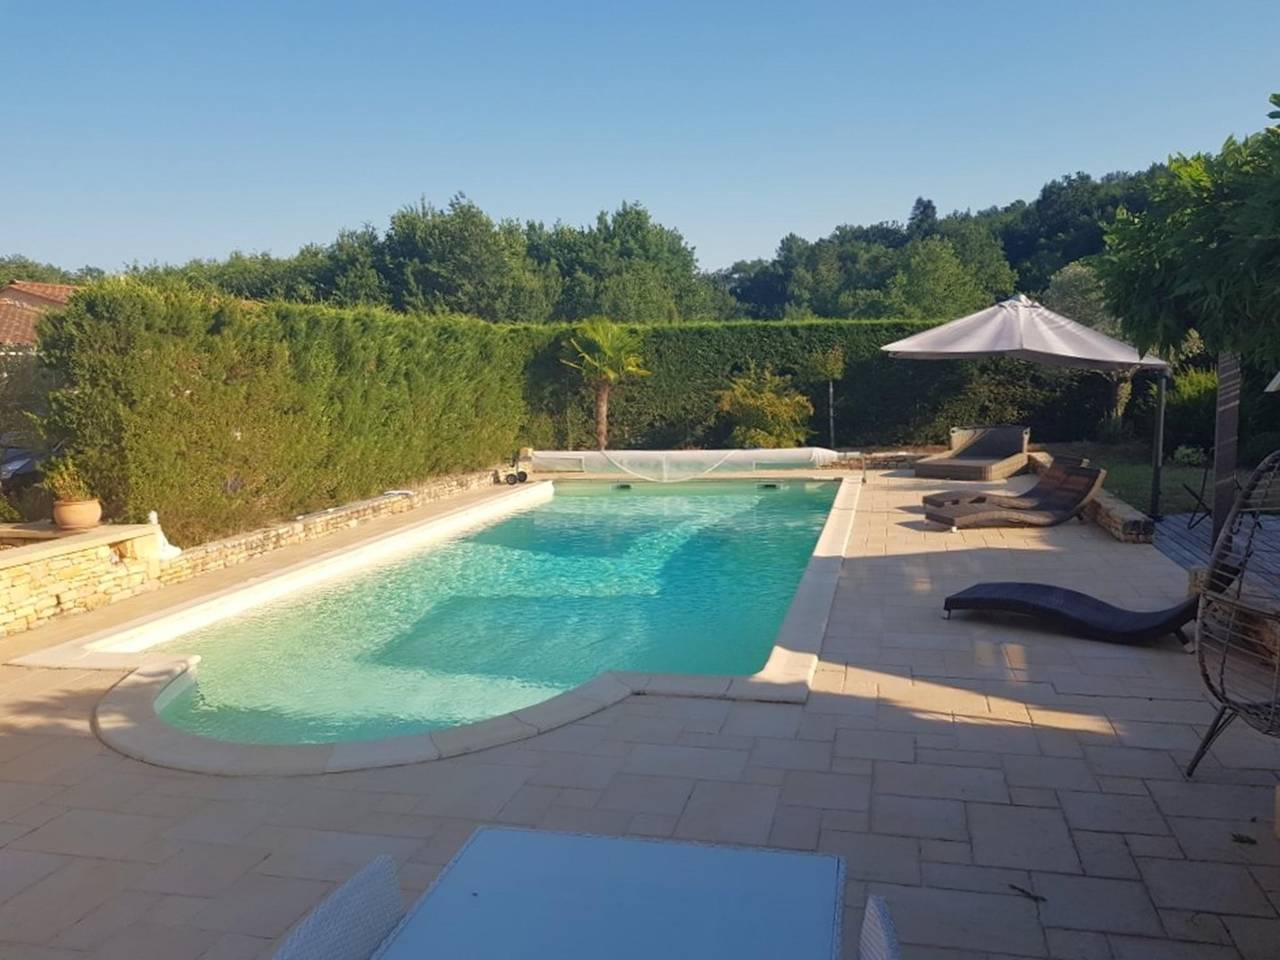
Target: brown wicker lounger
1076, 612
978, 453
1048, 481
1066, 500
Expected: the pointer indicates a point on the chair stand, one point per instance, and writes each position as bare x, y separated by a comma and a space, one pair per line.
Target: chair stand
1220, 723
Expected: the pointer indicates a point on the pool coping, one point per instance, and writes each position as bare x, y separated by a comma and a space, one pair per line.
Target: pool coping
127, 719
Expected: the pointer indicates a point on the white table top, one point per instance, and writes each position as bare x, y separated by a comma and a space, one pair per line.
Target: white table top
512, 894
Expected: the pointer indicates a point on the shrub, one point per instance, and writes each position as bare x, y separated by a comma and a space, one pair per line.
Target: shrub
765, 410
1189, 416
63, 479
1186, 456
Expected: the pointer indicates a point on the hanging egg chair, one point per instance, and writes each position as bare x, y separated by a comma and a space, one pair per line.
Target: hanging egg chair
1238, 627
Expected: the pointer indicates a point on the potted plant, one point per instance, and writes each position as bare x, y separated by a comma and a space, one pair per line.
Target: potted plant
74, 505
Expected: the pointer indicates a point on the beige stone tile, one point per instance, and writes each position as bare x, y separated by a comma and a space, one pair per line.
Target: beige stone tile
696, 762
1094, 903
919, 817
261, 906
872, 856
728, 812
963, 920
637, 793
42, 910
324, 854
99, 833
144, 941
945, 782
827, 791
1207, 887
1023, 837
202, 869
763, 720
118, 913
791, 754
1111, 812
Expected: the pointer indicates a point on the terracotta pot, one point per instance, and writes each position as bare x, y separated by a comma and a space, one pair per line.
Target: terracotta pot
76, 514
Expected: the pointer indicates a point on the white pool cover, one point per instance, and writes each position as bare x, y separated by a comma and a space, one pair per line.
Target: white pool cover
672, 466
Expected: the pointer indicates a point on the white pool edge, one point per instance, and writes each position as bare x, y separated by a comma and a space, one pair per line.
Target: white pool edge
127, 718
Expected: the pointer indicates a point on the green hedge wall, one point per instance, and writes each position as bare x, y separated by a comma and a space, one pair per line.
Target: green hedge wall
223, 415
879, 400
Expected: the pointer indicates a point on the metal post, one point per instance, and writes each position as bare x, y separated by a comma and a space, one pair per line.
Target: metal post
831, 411
1226, 429
1157, 445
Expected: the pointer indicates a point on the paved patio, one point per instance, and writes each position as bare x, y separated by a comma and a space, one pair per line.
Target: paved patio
1011, 793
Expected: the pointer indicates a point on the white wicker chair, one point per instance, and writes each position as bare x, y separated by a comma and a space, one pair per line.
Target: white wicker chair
879, 939
353, 921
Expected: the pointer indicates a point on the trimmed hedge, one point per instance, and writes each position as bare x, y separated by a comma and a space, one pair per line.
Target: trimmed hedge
879, 400
223, 414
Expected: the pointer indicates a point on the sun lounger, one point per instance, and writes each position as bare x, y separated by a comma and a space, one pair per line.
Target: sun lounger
979, 453
1049, 480
1076, 612
1068, 499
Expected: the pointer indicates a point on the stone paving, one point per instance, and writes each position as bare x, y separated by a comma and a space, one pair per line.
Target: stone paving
1012, 793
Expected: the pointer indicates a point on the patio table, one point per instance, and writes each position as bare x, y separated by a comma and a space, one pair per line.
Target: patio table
513, 893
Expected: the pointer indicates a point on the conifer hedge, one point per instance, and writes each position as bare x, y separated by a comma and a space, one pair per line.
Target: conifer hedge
224, 414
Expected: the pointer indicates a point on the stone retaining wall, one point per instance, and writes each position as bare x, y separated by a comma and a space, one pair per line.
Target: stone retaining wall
1127, 524
45, 574
245, 546
75, 574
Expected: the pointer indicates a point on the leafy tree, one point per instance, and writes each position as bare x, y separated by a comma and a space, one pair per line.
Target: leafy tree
932, 283
827, 365
1076, 292
17, 267
1205, 255
765, 410
923, 219
979, 249
459, 260
607, 355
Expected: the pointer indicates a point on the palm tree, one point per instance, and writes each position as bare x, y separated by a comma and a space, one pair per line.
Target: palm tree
607, 355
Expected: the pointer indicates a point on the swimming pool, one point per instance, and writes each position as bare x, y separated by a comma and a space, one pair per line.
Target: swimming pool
690, 578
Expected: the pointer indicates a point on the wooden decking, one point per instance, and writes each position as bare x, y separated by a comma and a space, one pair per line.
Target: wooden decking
1190, 547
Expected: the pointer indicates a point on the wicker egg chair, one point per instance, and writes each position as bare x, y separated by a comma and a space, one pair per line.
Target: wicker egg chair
1238, 628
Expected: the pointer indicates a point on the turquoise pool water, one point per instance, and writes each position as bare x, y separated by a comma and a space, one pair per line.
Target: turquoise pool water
683, 578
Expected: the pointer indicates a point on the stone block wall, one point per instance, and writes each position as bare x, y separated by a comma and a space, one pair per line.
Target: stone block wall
44, 575
1127, 524
230, 551
64, 577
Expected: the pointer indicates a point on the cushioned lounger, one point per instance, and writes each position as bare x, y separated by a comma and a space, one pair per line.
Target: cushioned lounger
978, 453
1049, 480
1066, 500
1076, 612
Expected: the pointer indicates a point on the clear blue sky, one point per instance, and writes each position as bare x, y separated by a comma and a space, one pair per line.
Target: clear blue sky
164, 131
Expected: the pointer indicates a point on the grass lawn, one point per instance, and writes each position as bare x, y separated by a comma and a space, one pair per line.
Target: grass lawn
1128, 467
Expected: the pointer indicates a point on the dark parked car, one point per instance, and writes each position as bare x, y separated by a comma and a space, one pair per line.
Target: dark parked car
19, 468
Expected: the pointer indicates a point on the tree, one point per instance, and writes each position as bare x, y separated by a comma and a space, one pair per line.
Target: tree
923, 219
607, 355
1076, 292
933, 284
1205, 256
827, 365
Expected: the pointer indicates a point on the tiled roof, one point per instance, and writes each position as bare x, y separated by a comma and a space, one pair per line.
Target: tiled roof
53, 292
18, 325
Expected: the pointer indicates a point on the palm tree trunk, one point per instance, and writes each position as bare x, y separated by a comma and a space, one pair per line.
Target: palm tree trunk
602, 416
